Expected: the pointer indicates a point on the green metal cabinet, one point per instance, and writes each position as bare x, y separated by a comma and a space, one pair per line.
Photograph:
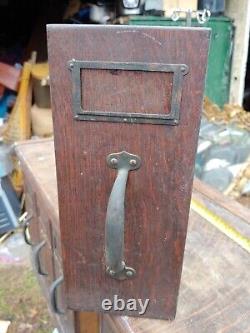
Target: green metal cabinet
220, 54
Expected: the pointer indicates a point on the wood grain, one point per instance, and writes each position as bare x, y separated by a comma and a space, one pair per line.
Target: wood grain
157, 195
124, 96
87, 322
227, 203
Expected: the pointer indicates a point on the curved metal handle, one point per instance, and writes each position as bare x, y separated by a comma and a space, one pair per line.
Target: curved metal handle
114, 233
53, 296
36, 251
26, 234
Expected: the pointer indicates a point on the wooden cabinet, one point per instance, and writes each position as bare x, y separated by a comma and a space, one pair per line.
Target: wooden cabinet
46, 254
126, 105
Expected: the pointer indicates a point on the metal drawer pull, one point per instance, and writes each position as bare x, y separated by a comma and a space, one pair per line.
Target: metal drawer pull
26, 234
53, 296
37, 250
114, 233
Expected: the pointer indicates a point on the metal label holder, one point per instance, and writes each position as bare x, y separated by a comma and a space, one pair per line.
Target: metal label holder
171, 118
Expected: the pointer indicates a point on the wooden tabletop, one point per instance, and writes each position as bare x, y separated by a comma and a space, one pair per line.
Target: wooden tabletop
215, 289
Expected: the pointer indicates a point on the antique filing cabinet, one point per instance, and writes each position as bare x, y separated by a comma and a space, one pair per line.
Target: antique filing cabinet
41, 232
126, 107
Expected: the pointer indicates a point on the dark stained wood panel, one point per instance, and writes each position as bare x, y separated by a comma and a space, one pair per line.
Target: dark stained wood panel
157, 195
146, 86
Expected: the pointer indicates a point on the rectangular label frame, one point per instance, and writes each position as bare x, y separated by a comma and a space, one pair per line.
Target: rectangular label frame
172, 118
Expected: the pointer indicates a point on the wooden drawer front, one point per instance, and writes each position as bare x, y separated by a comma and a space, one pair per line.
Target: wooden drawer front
56, 245
31, 208
142, 128
45, 227
46, 255
47, 260
50, 263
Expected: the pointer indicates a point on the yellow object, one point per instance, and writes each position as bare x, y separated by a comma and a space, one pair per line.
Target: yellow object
41, 119
221, 224
40, 71
16, 176
19, 123
229, 114
170, 5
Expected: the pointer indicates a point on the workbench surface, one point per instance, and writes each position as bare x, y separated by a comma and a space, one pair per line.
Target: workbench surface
215, 285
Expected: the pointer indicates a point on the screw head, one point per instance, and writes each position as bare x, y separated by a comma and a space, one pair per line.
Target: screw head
114, 161
184, 69
129, 273
71, 64
133, 162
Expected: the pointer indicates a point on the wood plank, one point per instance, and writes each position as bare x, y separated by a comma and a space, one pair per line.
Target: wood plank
87, 322
227, 203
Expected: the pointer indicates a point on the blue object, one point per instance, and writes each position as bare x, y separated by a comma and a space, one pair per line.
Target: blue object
6, 101
9, 206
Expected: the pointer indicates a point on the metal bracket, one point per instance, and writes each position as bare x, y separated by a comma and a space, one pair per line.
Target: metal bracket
53, 296
26, 224
114, 227
171, 118
37, 250
202, 16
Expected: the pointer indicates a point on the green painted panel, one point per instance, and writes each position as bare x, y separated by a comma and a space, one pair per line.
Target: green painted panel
220, 54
